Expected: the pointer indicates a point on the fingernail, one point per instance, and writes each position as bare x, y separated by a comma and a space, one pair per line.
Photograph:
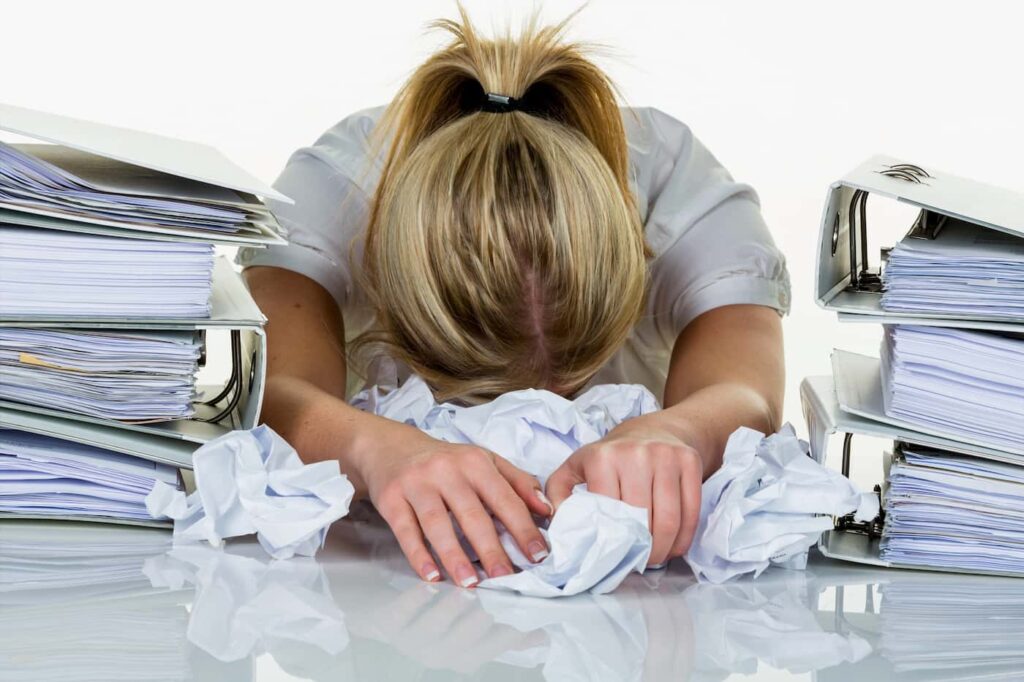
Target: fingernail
500, 570
537, 551
544, 498
467, 576
430, 573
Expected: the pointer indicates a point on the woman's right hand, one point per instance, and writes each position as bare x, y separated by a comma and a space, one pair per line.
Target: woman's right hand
415, 483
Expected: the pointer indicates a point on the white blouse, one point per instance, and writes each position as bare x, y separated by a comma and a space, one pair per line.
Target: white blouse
711, 245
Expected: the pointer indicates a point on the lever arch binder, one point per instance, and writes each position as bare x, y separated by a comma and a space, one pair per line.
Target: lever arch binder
845, 280
101, 179
235, 405
861, 542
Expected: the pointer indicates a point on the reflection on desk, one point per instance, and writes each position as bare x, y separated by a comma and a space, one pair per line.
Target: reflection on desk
89, 602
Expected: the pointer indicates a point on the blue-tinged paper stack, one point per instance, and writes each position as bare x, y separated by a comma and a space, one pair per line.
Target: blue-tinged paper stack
947, 387
962, 384
962, 271
954, 511
943, 509
44, 476
108, 281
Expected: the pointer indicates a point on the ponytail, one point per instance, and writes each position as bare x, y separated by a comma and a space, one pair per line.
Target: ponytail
504, 249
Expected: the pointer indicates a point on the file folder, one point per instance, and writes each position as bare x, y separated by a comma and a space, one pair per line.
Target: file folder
136, 164
236, 405
847, 282
826, 416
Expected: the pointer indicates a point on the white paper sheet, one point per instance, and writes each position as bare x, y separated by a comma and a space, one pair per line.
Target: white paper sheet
128, 376
595, 543
254, 482
48, 273
764, 505
954, 511
44, 476
965, 270
768, 503
968, 385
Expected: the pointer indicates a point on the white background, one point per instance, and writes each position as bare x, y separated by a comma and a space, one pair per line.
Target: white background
788, 95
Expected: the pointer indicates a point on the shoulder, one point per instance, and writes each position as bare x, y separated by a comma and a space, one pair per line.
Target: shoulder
348, 148
650, 130
664, 155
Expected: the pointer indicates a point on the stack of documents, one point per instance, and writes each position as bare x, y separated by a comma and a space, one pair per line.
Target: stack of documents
136, 376
43, 476
948, 510
954, 511
964, 271
51, 273
961, 384
61, 182
109, 283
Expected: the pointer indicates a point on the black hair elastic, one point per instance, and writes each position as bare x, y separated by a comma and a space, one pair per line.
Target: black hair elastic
499, 104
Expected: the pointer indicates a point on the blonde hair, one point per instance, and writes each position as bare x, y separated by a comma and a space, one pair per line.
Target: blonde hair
504, 250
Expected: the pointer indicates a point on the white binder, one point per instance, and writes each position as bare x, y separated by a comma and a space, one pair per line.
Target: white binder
172, 442
845, 281
825, 416
135, 162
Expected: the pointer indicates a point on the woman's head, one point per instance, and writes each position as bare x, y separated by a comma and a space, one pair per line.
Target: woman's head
504, 250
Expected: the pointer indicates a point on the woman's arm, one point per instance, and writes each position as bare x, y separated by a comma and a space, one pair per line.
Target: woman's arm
412, 479
726, 371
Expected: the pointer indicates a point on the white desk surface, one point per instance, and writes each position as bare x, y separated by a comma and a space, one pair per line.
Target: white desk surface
88, 602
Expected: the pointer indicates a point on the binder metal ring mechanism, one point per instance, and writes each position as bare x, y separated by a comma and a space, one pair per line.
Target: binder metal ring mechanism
131, 163
853, 400
846, 280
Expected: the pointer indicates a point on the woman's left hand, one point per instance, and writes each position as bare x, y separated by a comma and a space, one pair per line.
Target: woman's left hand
645, 466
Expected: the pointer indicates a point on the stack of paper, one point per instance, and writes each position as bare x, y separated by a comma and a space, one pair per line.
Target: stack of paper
57, 181
963, 271
954, 511
136, 376
43, 476
965, 385
48, 273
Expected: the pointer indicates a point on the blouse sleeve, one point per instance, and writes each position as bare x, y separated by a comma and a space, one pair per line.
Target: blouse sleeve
712, 247
330, 183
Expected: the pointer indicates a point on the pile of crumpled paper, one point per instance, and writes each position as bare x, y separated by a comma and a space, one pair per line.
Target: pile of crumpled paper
767, 504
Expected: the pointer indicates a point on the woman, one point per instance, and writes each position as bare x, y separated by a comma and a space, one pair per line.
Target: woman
513, 228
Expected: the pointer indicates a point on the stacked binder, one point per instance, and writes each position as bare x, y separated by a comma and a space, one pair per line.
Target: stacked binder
948, 385
111, 295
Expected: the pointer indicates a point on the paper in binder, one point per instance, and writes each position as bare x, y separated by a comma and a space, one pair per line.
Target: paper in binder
100, 179
964, 384
953, 511
47, 477
947, 388
960, 260
155, 398
959, 269
53, 273
133, 376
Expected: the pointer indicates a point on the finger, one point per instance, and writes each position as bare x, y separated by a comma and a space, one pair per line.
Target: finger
478, 526
602, 478
526, 486
666, 515
513, 513
407, 531
561, 483
437, 527
690, 492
